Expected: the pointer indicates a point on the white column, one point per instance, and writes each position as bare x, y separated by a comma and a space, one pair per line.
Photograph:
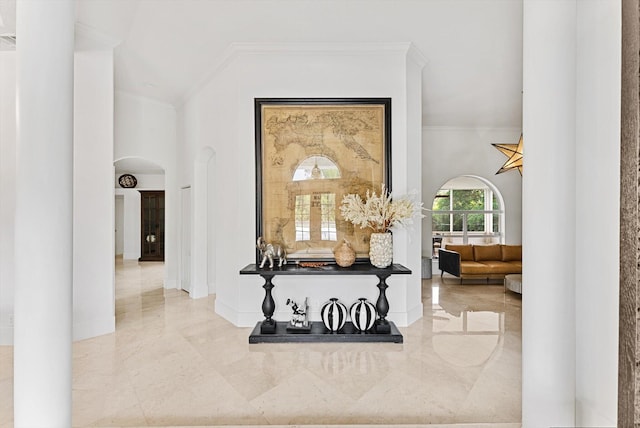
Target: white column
44, 211
597, 211
549, 213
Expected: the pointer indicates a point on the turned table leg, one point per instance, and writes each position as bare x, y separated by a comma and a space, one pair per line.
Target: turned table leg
268, 307
382, 306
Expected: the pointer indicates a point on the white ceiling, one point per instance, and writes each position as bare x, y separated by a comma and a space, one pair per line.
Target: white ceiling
137, 166
474, 47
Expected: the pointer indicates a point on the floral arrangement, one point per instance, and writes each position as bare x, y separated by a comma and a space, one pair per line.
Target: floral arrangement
379, 212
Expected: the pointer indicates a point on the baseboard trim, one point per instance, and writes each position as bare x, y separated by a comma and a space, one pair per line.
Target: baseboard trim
81, 330
227, 312
414, 314
93, 327
6, 335
171, 283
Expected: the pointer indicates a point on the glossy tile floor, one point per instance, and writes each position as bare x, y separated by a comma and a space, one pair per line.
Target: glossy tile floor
173, 362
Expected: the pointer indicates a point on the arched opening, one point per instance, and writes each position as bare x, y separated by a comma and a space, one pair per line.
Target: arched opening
316, 167
139, 232
133, 176
315, 205
467, 210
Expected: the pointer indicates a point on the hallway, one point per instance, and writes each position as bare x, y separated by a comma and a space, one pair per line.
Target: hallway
174, 362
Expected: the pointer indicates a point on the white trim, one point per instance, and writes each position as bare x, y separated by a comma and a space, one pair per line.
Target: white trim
6, 335
304, 48
145, 98
470, 128
94, 327
416, 55
171, 283
414, 314
103, 41
227, 312
130, 256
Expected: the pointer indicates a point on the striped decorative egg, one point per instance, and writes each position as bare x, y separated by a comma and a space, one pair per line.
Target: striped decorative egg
363, 314
334, 315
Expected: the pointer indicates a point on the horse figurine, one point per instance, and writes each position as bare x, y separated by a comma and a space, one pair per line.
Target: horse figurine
270, 251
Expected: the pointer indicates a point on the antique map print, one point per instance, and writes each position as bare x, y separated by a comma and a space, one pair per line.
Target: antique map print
312, 155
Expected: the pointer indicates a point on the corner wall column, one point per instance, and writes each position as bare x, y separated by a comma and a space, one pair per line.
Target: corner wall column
44, 213
549, 130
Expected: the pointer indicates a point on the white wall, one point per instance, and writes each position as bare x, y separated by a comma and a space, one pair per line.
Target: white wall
451, 152
93, 222
221, 115
131, 223
597, 208
119, 225
7, 191
146, 129
571, 126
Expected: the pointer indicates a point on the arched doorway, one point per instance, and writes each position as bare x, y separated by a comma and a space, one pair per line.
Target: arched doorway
467, 210
148, 176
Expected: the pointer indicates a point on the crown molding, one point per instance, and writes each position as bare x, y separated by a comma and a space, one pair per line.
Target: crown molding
416, 55
89, 38
234, 50
145, 98
470, 128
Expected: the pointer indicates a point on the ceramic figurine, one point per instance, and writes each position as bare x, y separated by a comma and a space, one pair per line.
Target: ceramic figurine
300, 317
270, 251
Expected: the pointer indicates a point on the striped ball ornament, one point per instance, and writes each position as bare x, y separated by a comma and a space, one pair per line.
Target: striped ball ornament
334, 315
363, 314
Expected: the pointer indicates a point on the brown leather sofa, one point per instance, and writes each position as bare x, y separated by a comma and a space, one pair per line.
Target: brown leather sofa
480, 261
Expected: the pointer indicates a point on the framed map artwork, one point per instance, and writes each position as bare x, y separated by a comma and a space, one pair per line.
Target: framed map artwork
310, 152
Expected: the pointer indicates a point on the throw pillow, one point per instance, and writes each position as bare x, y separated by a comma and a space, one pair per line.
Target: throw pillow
487, 252
465, 251
511, 253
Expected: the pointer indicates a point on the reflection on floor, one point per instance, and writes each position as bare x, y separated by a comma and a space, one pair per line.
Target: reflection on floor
174, 362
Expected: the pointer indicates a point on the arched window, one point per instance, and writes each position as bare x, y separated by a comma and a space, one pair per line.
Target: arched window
315, 208
316, 168
467, 210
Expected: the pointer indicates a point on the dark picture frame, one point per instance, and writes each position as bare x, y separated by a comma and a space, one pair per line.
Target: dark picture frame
309, 153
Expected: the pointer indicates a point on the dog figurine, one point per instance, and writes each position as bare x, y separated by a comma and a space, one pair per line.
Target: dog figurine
270, 251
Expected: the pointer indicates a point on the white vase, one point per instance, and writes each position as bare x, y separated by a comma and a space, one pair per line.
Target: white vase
381, 249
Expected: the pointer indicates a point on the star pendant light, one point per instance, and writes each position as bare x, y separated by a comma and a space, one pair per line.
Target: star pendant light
514, 153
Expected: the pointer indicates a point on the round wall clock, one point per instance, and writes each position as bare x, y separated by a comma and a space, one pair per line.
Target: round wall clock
127, 181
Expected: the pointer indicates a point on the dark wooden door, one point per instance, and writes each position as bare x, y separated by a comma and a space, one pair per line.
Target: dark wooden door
152, 225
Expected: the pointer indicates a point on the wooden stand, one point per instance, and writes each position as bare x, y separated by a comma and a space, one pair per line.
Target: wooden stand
269, 331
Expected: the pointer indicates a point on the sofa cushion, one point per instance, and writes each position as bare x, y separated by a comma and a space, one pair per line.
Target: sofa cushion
516, 263
500, 268
487, 252
465, 251
474, 268
511, 253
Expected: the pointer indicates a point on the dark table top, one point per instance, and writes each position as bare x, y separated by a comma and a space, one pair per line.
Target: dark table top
329, 269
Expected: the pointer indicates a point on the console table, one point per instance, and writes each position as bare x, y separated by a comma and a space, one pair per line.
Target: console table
272, 331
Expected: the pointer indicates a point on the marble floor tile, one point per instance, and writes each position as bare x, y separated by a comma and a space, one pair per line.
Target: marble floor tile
174, 362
